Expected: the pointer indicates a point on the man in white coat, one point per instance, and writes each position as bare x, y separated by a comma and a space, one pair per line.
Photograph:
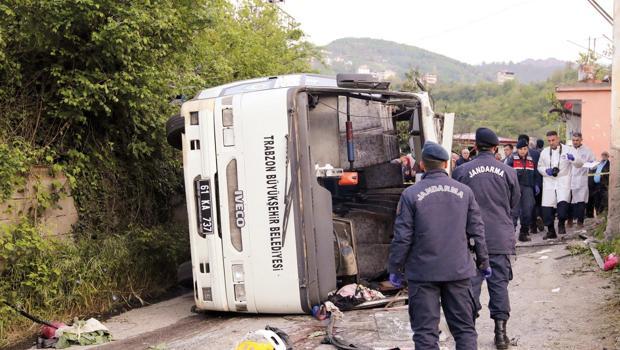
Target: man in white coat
579, 181
555, 165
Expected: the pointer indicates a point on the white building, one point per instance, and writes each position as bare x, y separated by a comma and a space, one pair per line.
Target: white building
505, 76
429, 79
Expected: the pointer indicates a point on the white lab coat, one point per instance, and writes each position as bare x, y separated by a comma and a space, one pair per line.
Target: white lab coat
556, 189
579, 174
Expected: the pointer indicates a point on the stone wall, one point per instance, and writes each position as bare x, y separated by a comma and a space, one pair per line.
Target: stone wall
58, 218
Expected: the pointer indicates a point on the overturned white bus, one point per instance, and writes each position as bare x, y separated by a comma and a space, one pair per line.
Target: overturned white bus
289, 185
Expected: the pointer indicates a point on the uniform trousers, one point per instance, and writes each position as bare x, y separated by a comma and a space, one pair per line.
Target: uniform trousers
549, 213
457, 301
526, 208
497, 284
578, 211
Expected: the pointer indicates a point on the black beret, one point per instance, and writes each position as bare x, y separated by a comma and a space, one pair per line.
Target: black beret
486, 137
432, 150
522, 143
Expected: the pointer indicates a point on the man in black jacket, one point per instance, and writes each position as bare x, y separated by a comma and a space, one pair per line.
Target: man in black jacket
433, 253
598, 184
496, 188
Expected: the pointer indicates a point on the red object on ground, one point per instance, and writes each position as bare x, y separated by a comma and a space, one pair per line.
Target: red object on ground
48, 332
611, 261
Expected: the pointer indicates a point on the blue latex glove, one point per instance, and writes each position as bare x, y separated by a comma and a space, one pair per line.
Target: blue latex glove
570, 157
396, 279
549, 172
536, 190
486, 272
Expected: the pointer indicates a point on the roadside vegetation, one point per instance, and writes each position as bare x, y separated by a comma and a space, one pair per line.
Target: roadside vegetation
85, 90
511, 108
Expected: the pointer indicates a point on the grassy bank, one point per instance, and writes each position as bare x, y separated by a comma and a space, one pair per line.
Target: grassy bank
61, 279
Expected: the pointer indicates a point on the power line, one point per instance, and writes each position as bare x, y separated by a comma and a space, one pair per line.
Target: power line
585, 48
480, 19
601, 11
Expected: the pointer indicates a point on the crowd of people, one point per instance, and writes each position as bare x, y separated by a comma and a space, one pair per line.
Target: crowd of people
576, 190
445, 262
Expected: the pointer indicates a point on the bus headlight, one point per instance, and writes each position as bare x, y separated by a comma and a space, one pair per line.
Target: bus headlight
240, 292
237, 273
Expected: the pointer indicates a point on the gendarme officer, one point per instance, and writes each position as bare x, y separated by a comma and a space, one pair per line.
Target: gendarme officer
433, 254
496, 187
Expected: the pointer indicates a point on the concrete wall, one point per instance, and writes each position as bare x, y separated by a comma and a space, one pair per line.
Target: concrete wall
595, 117
56, 220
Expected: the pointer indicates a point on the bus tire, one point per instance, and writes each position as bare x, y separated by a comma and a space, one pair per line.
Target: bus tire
175, 127
184, 275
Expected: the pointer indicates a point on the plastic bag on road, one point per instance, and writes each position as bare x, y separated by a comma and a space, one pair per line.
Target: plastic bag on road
90, 332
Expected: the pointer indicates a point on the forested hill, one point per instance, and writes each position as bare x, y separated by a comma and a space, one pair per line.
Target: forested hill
526, 71
349, 54
510, 109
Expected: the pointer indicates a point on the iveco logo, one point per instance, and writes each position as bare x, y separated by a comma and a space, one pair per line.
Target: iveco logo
239, 209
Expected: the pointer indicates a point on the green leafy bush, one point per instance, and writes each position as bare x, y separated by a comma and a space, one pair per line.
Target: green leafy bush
59, 279
14, 165
86, 89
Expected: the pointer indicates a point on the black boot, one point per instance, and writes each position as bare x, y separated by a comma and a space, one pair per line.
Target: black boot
524, 235
501, 339
561, 227
550, 233
533, 228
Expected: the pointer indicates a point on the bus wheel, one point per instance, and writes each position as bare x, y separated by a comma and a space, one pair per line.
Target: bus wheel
184, 275
175, 126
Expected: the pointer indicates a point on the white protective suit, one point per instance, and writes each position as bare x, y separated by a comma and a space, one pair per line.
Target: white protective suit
579, 174
557, 189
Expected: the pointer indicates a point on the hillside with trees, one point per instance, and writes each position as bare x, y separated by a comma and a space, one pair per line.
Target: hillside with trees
511, 108
348, 54
526, 71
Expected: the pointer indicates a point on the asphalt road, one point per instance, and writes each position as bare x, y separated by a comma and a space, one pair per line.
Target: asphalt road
558, 302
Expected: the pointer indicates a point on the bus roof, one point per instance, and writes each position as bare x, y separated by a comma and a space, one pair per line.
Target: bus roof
267, 83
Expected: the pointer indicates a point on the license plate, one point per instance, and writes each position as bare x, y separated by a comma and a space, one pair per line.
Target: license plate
204, 204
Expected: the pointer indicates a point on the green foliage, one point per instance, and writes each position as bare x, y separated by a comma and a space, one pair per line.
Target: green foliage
347, 54
92, 81
606, 247
510, 109
590, 58
609, 247
60, 279
86, 89
14, 164
381, 55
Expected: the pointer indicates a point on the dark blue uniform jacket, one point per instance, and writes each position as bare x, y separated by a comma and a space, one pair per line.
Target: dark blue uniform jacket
434, 221
497, 191
535, 154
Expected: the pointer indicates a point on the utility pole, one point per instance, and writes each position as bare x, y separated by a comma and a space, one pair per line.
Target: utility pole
613, 216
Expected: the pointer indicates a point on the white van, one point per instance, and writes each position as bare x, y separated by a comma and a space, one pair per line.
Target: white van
290, 185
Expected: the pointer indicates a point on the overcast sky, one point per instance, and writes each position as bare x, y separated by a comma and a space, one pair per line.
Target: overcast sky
471, 31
